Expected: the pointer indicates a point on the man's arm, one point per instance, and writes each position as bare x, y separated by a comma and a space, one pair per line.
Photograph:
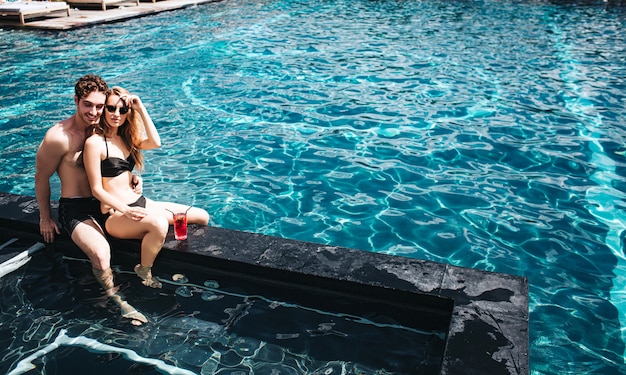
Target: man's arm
48, 158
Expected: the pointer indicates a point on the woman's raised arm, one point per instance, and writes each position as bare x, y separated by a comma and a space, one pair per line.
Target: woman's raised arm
153, 139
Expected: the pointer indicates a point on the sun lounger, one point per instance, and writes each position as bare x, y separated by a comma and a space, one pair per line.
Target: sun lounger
100, 3
32, 9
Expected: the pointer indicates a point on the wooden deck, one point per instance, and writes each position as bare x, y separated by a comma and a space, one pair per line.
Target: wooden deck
23, 11
89, 14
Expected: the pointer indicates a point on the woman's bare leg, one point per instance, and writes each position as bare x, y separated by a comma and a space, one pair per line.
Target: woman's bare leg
151, 230
195, 215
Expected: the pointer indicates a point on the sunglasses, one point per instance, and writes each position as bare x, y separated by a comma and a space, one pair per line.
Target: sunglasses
112, 109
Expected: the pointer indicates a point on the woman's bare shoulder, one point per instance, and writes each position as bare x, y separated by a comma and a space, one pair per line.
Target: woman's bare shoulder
94, 144
94, 139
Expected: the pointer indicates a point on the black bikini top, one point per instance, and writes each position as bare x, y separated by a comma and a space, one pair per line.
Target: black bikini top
112, 167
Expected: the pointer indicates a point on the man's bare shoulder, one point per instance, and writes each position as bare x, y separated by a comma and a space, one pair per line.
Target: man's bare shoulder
56, 135
58, 140
64, 133
61, 128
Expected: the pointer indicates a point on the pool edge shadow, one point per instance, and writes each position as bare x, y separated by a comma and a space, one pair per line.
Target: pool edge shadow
488, 331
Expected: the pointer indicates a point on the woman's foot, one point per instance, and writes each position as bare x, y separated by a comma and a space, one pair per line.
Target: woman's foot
145, 274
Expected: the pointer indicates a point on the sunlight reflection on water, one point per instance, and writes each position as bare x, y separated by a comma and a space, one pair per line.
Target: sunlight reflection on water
437, 130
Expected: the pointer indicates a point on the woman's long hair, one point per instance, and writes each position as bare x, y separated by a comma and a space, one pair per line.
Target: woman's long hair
131, 131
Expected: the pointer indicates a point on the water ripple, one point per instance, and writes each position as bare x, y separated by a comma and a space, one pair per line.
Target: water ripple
396, 127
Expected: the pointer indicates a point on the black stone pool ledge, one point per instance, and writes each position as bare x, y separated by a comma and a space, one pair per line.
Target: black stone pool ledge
489, 323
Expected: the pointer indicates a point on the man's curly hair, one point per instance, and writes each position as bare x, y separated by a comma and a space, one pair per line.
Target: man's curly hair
88, 84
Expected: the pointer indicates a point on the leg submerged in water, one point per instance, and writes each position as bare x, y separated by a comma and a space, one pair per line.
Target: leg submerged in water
145, 273
105, 278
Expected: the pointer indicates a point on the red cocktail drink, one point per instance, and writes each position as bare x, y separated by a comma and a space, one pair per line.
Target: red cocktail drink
180, 226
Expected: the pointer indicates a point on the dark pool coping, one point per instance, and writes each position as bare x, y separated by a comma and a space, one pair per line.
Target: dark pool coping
489, 327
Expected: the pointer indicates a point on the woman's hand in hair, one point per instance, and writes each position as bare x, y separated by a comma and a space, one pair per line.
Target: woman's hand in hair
133, 101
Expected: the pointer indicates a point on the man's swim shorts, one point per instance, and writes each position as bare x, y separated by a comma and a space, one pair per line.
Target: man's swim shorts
73, 211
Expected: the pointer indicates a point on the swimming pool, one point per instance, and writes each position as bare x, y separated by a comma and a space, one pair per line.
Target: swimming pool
207, 320
481, 134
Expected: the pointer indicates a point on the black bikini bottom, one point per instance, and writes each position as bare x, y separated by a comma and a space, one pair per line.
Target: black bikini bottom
141, 202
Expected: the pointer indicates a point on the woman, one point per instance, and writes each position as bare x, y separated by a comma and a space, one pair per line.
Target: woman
110, 155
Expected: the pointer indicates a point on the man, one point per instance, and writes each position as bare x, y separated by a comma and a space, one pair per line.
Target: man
79, 212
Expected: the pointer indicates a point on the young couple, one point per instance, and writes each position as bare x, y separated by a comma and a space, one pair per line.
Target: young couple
94, 153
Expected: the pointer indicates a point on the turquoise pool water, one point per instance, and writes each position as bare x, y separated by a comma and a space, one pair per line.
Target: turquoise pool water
482, 134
